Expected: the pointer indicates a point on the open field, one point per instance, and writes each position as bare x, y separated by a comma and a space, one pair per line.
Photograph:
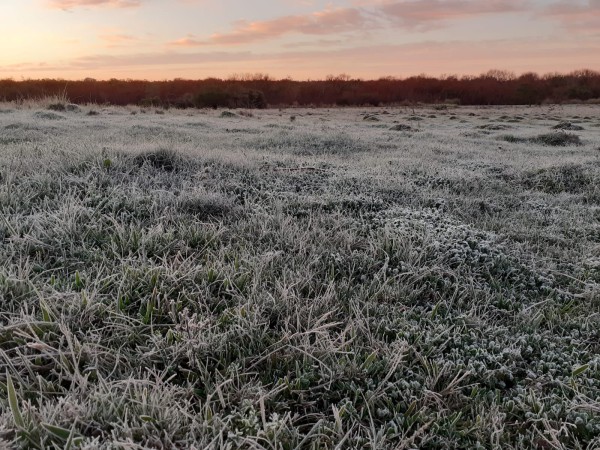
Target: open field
350, 278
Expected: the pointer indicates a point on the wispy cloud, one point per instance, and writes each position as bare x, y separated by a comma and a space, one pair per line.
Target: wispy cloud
117, 38
579, 17
424, 14
329, 21
72, 4
413, 15
319, 43
429, 57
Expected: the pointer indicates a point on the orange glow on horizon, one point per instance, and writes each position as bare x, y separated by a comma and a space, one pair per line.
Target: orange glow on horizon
104, 39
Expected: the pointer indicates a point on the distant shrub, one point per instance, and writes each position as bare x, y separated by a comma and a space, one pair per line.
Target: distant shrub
150, 101
255, 99
212, 99
185, 101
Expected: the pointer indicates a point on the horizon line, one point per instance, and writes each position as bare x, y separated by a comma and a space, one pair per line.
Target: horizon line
241, 77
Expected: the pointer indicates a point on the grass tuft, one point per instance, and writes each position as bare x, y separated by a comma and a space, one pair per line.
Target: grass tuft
163, 159
557, 139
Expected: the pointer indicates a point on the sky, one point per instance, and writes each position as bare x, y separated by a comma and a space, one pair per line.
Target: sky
299, 39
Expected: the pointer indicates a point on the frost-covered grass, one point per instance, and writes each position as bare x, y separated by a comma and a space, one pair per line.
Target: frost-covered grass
191, 279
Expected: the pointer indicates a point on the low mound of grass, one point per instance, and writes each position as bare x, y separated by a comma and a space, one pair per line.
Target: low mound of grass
572, 178
371, 118
548, 139
57, 107
512, 138
206, 206
48, 115
162, 159
403, 127
494, 127
567, 126
557, 139
306, 143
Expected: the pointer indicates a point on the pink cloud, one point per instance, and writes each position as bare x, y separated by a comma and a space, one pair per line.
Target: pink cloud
365, 15
330, 21
71, 4
577, 17
425, 13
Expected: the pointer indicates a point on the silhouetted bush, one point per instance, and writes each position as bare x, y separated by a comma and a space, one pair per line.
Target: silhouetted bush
212, 99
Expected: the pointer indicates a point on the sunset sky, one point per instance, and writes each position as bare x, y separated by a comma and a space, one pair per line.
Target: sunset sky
165, 39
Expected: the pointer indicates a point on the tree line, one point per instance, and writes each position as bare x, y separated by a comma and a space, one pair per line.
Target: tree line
495, 87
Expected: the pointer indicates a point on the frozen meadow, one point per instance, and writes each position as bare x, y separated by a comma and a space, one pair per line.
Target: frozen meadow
301, 278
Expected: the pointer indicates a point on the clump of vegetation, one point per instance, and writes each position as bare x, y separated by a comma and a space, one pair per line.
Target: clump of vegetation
494, 127
402, 127
164, 159
512, 138
571, 178
207, 206
57, 107
548, 139
557, 139
230, 98
567, 126
306, 143
371, 118
47, 115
